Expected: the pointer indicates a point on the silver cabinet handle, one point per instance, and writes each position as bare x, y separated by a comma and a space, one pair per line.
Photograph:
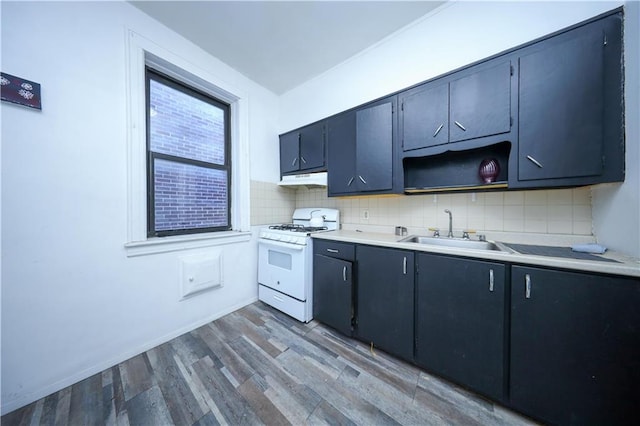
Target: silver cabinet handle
438, 130
490, 279
295, 160
333, 251
527, 286
404, 266
460, 125
534, 161
344, 273
303, 160
362, 179
350, 181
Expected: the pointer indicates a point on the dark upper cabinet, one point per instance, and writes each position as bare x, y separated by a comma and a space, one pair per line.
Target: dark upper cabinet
374, 147
385, 299
361, 149
312, 146
575, 347
460, 321
480, 103
425, 116
289, 152
470, 104
303, 149
341, 153
570, 113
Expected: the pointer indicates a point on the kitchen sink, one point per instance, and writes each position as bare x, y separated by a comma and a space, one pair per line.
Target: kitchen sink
456, 242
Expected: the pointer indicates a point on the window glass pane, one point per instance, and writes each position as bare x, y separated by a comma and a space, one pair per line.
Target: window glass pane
189, 197
184, 126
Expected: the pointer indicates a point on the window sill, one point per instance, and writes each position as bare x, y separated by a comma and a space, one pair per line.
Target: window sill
184, 242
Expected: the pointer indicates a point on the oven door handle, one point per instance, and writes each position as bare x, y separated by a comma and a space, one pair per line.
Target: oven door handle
293, 247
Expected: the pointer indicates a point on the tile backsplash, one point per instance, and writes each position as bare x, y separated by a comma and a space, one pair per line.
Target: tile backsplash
557, 211
271, 203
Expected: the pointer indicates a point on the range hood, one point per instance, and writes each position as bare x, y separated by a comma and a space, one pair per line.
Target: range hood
310, 180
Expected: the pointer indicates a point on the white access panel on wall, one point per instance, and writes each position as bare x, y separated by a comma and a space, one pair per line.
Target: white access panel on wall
201, 272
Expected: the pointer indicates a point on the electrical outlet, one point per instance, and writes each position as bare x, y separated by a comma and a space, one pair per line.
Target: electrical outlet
365, 214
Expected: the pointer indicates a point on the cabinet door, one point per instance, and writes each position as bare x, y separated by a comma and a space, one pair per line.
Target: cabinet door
332, 292
374, 147
561, 106
480, 103
425, 116
342, 154
460, 328
575, 347
312, 147
289, 152
385, 299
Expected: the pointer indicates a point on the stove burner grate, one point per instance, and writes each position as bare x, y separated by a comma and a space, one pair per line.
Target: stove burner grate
297, 228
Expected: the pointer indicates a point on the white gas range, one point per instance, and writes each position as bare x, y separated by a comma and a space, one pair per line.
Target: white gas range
285, 261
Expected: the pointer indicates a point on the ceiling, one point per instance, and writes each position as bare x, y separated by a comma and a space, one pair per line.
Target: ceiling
282, 44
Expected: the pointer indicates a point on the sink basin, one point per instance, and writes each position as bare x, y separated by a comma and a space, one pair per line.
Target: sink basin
455, 242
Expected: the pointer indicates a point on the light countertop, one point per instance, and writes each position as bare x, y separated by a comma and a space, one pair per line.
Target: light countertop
625, 265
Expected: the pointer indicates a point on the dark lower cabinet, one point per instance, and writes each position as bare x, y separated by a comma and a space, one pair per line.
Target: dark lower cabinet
575, 347
333, 284
385, 298
460, 321
560, 346
332, 292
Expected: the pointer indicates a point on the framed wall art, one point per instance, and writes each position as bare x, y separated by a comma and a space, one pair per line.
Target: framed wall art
20, 91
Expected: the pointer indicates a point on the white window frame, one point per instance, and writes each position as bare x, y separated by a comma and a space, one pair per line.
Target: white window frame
143, 52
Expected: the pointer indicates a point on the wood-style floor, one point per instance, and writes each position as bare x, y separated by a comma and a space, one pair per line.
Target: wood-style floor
259, 366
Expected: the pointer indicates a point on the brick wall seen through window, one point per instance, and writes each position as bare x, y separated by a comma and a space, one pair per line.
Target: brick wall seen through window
188, 159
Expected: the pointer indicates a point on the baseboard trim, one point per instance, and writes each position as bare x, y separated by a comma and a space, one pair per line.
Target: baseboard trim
22, 400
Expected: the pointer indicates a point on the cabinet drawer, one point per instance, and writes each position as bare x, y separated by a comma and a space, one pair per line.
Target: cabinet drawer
344, 251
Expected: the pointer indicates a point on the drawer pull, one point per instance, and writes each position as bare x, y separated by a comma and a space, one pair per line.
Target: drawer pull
438, 130
333, 251
490, 279
279, 299
534, 161
460, 125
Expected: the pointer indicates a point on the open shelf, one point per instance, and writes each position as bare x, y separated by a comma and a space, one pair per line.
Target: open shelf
455, 170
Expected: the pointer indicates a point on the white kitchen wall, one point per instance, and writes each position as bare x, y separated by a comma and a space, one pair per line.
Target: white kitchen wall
616, 208
73, 303
460, 33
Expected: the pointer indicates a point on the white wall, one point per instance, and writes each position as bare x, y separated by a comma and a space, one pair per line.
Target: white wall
73, 303
460, 33
616, 207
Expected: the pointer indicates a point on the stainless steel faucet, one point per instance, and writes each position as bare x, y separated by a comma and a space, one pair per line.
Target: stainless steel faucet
450, 233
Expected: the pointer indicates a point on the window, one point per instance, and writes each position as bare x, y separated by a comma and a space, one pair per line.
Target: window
188, 159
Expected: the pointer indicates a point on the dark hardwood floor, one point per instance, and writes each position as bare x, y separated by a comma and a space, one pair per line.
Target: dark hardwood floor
259, 366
